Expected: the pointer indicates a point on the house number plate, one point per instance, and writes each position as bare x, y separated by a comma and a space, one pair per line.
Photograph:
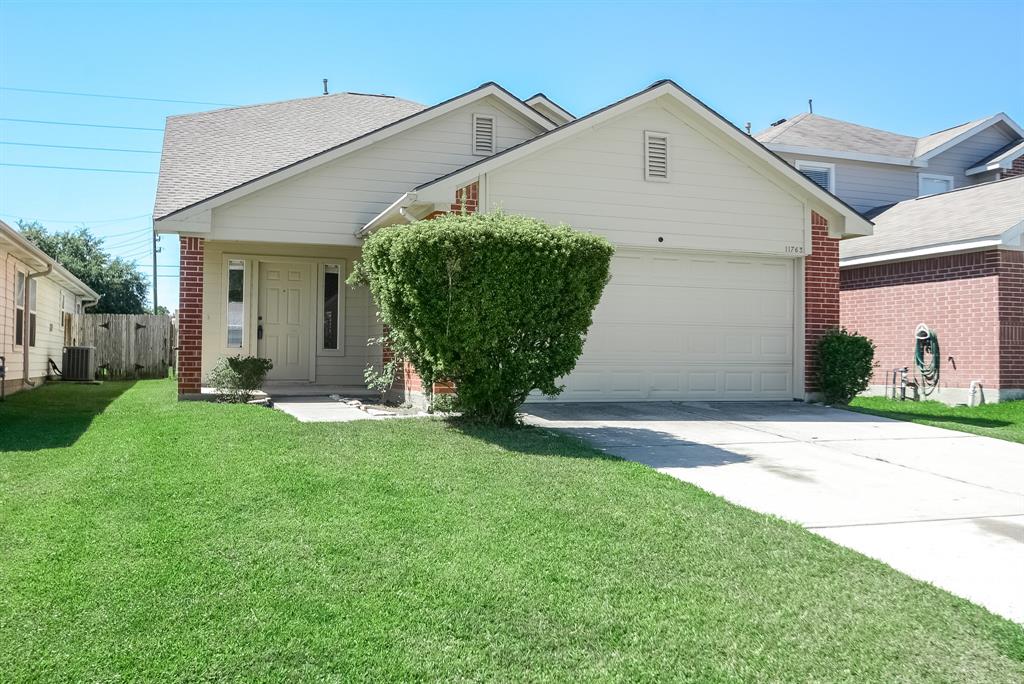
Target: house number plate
794, 249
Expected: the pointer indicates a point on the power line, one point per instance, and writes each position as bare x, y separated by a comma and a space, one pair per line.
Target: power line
87, 125
136, 231
77, 168
132, 243
79, 147
95, 223
114, 97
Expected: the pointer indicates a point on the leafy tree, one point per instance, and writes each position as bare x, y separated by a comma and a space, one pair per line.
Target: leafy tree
495, 303
122, 286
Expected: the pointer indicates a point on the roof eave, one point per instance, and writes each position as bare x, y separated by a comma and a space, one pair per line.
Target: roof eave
843, 154
252, 185
1001, 117
27, 249
1008, 239
853, 223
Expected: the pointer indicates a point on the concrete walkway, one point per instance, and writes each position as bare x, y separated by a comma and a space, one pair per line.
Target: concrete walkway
942, 506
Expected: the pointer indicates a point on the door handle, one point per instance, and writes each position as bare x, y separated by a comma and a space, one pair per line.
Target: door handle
259, 331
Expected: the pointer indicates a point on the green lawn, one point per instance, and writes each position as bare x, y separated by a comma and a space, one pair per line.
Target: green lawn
143, 539
1002, 421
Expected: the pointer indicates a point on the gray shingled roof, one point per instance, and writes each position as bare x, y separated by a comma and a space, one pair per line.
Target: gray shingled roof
971, 213
930, 142
208, 153
814, 130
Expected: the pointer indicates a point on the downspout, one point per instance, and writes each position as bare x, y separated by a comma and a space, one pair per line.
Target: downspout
26, 335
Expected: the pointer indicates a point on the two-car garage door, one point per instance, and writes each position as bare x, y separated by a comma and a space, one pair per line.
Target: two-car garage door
688, 326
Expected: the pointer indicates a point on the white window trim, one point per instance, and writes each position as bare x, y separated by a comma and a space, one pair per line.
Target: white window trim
19, 311
62, 297
247, 299
343, 274
647, 166
802, 164
494, 135
922, 177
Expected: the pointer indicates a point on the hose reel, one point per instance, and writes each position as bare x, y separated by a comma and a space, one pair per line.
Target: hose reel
926, 358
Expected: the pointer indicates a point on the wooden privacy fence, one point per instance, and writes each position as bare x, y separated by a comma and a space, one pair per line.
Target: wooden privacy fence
128, 346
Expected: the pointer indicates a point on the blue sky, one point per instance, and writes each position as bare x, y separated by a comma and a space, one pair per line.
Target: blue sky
910, 67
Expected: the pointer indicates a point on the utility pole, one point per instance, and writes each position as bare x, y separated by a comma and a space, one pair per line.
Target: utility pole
156, 238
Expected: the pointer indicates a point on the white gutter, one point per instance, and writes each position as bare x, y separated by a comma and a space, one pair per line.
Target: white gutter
400, 205
922, 252
26, 331
841, 154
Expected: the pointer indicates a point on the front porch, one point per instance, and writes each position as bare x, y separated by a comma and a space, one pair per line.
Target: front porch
285, 302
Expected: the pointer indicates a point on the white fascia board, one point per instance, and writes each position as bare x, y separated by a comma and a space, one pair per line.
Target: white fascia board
852, 222
931, 250
987, 123
840, 154
1003, 161
489, 90
191, 222
389, 215
552, 105
25, 250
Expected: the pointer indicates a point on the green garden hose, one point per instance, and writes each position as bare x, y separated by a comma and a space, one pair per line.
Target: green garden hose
926, 342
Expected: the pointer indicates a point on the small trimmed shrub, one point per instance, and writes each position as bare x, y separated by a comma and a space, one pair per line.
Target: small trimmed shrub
237, 378
496, 303
845, 364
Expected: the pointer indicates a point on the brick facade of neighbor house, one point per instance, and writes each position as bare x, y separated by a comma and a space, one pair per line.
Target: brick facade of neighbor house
190, 317
1017, 169
974, 302
408, 386
1011, 319
821, 294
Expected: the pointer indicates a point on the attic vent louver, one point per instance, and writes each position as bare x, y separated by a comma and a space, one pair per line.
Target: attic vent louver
483, 135
655, 156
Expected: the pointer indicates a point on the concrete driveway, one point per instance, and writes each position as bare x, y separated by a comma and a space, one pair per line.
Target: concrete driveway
942, 506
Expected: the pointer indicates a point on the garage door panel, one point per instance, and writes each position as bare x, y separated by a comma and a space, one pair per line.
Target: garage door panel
632, 304
688, 326
679, 383
680, 344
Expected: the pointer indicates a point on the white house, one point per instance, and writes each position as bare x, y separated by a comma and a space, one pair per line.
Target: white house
37, 295
725, 274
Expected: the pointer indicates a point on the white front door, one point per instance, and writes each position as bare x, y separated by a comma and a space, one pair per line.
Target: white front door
284, 310
676, 325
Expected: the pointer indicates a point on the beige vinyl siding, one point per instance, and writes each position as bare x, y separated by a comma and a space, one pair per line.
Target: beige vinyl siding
595, 181
957, 159
326, 205
49, 333
360, 321
864, 185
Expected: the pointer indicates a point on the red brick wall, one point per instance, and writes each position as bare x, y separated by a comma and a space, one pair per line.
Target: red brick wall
821, 294
467, 199
955, 295
1016, 170
190, 316
1011, 319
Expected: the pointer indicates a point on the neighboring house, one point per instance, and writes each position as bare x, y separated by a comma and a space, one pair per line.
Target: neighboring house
37, 295
726, 265
948, 210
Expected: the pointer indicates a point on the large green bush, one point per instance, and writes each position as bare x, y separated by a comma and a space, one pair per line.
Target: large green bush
845, 364
499, 304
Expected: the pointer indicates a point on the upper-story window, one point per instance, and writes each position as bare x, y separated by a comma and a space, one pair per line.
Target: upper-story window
933, 184
822, 173
483, 135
